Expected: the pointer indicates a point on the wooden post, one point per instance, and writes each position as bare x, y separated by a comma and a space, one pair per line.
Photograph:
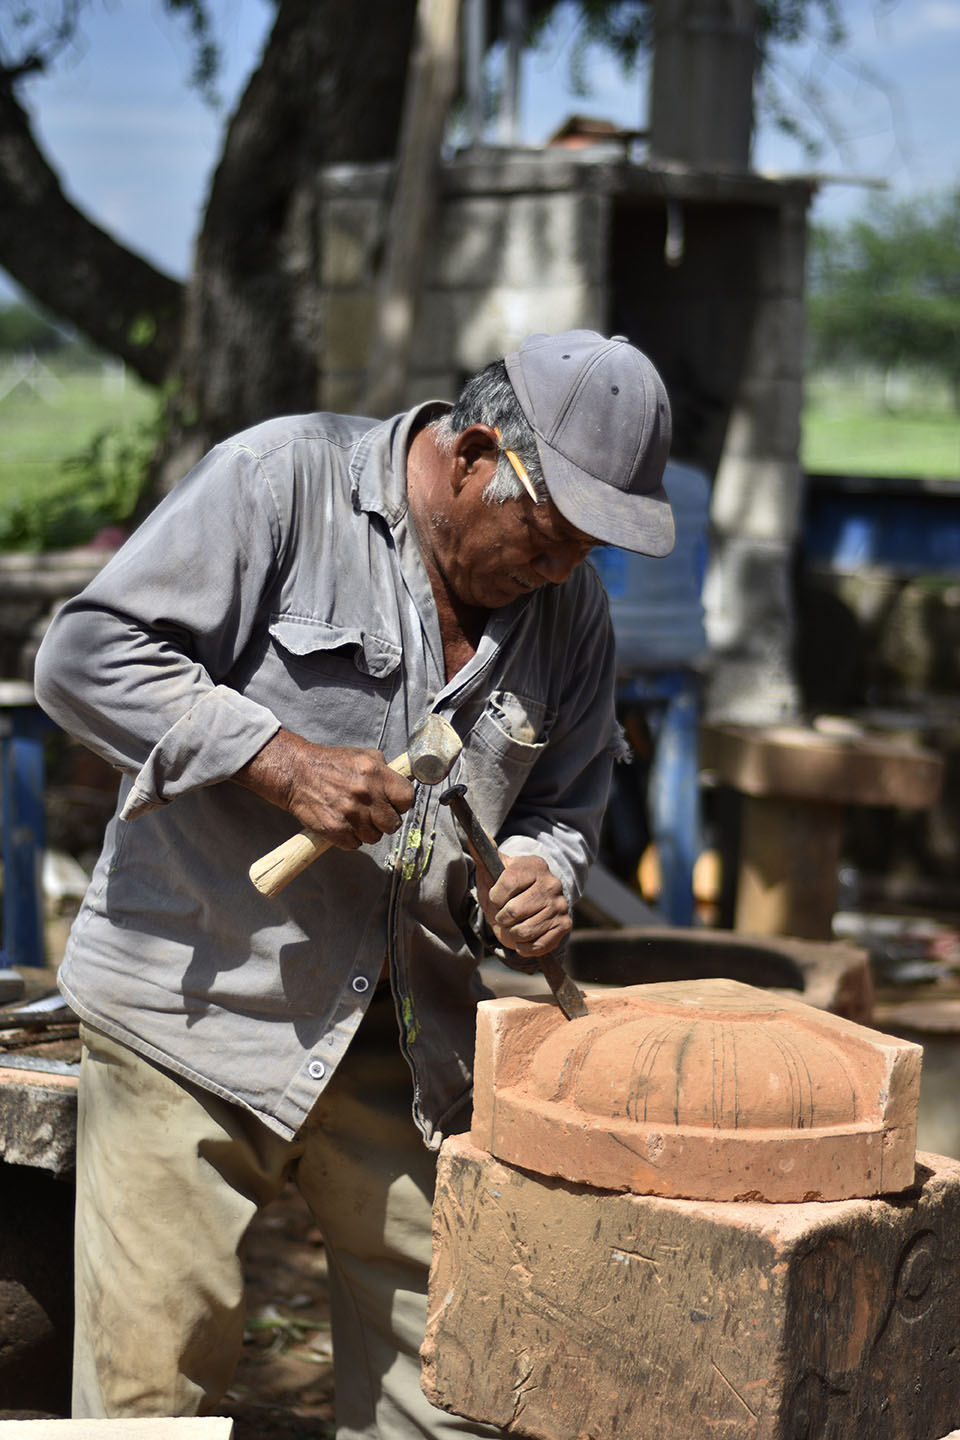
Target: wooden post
410, 224
790, 851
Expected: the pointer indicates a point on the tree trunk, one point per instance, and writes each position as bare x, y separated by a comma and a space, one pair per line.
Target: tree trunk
328, 90
72, 267
433, 78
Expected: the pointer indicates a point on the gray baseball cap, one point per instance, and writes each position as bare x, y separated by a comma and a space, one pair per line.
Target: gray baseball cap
602, 423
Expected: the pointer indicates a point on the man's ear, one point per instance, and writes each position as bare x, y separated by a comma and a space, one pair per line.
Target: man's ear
476, 451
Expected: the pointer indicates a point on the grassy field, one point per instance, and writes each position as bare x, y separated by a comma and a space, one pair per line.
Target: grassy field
49, 413
848, 431
57, 412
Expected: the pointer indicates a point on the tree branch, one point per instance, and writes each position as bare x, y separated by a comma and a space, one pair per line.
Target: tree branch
72, 266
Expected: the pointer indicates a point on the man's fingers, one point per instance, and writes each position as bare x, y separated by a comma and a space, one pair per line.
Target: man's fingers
521, 876
529, 927
347, 794
397, 790
529, 912
538, 901
533, 939
383, 819
354, 797
526, 907
533, 907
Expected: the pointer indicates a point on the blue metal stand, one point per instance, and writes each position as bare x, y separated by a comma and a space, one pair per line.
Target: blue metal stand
671, 700
22, 729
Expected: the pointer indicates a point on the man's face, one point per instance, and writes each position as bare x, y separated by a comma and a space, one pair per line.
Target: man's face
490, 554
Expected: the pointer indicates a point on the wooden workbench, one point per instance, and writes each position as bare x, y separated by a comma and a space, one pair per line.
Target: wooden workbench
796, 786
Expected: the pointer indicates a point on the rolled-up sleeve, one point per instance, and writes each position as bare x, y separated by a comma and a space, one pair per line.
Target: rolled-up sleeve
133, 666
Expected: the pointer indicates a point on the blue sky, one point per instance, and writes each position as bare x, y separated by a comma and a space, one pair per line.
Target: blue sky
135, 147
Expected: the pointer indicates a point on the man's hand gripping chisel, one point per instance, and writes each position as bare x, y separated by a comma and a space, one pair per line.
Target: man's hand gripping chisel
485, 853
432, 750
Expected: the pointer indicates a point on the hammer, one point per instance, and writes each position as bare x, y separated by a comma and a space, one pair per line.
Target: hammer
484, 851
432, 750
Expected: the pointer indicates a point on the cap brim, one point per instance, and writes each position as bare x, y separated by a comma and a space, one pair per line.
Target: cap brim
642, 523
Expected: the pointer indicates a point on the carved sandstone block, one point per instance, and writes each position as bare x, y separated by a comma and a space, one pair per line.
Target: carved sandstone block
703, 1089
560, 1312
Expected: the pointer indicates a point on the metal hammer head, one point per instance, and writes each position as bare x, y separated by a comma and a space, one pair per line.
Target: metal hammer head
432, 750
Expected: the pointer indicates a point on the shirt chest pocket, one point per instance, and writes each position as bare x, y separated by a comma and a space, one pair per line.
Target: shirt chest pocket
505, 743
340, 679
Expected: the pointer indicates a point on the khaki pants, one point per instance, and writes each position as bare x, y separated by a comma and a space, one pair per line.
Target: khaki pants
169, 1178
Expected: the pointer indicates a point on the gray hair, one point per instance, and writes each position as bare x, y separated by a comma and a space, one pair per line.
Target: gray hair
488, 398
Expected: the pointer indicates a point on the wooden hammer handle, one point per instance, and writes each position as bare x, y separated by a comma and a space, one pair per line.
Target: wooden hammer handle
284, 863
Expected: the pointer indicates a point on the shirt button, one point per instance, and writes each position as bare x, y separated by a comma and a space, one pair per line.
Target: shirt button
361, 983
316, 1069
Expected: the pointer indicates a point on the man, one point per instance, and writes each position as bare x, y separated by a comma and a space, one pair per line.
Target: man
278, 625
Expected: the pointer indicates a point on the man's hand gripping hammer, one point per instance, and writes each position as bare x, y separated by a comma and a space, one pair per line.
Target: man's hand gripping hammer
485, 853
432, 750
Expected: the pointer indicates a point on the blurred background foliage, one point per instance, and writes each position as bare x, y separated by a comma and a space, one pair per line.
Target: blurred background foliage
883, 322
78, 430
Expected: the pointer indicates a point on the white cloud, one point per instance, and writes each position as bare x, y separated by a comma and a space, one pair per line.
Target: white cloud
937, 17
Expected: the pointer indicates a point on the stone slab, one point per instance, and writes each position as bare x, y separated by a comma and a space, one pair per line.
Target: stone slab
560, 1311
38, 1120
213, 1427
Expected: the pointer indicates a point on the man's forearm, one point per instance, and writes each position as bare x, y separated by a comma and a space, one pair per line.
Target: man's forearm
271, 773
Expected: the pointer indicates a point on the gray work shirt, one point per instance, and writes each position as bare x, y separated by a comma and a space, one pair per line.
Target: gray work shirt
281, 583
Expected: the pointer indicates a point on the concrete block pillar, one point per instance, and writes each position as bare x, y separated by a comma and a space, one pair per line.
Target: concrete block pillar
520, 244
757, 503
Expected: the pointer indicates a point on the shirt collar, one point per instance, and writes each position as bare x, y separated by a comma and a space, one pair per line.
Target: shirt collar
378, 468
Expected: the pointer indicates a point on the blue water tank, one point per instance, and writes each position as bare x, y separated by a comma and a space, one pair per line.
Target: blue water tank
655, 604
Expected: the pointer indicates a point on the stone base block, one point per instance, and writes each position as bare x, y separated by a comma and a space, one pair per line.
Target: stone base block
562, 1312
